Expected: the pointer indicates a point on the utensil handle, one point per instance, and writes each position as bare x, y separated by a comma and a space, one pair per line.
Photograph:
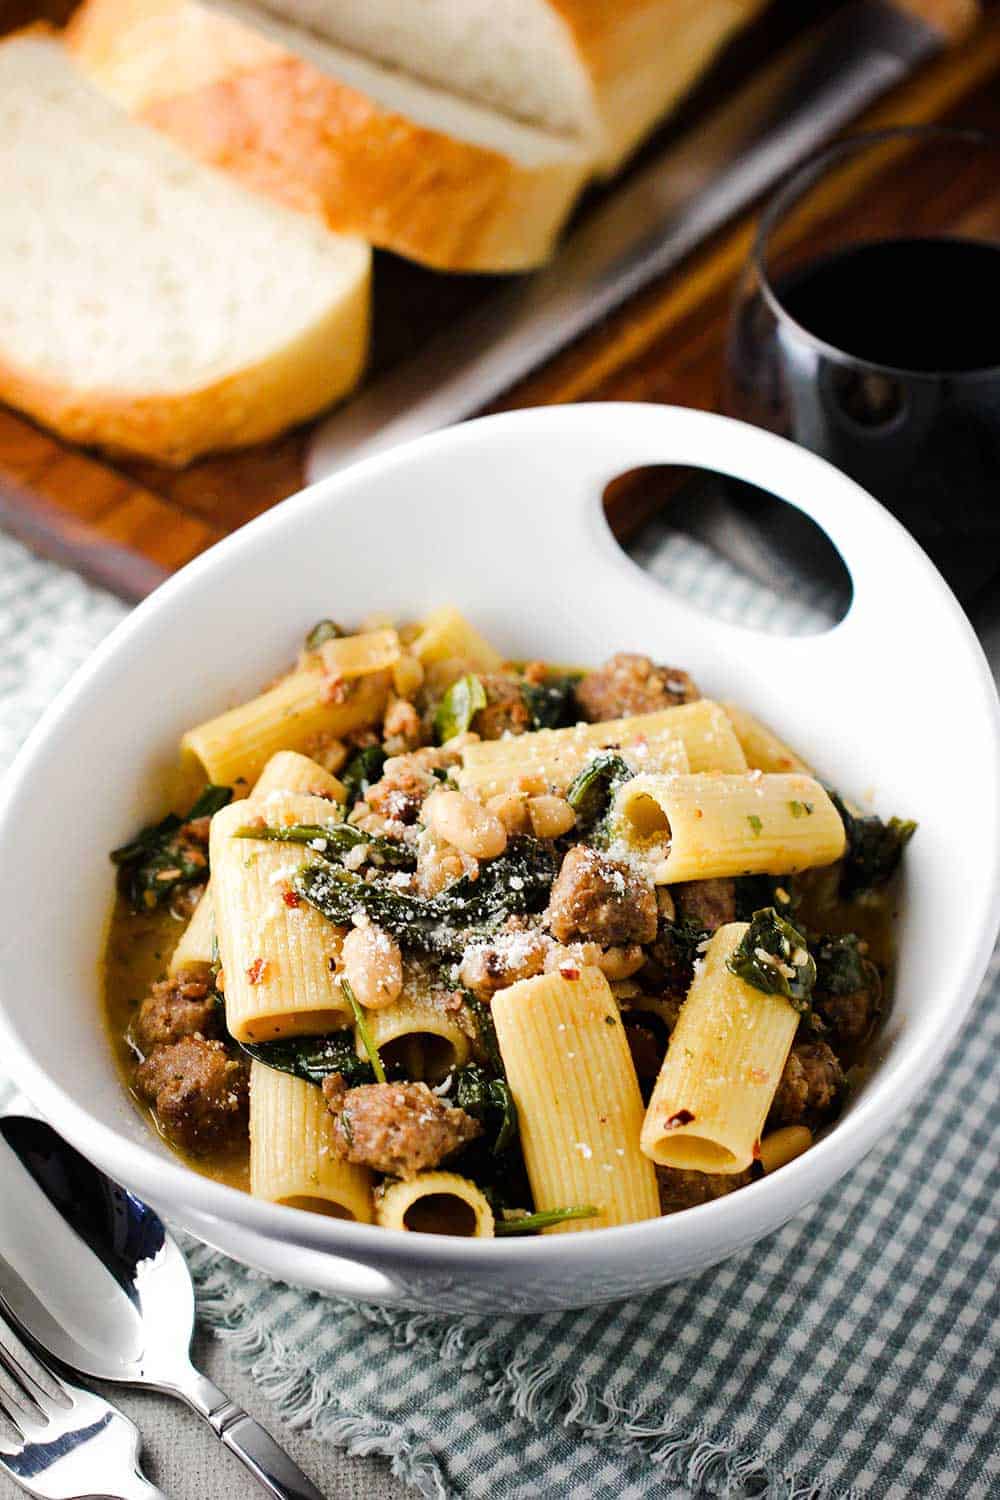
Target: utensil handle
139, 1488
953, 18
256, 1449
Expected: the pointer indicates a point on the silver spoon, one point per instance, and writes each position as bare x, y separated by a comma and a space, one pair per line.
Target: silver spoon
93, 1276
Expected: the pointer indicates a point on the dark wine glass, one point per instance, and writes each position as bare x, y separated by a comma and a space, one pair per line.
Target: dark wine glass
867, 328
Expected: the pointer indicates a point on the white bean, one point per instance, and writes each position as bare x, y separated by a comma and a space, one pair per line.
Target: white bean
373, 966
783, 1146
455, 818
550, 816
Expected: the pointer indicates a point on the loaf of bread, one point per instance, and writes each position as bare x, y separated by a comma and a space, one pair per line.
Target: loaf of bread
147, 303
371, 150
602, 71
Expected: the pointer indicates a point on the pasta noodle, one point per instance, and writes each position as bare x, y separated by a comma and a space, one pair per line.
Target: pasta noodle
446, 635
196, 942
763, 749
276, 957
289, 772
704, 827
359, 655
406, 982
578, 1101
292, 1160
689, 737
309, 702
435, 1203
722, 1068
418, 1032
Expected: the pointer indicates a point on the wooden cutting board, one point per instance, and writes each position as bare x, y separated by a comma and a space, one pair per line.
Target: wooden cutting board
128, 525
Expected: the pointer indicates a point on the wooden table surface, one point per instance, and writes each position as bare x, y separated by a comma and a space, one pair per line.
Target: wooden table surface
129, 524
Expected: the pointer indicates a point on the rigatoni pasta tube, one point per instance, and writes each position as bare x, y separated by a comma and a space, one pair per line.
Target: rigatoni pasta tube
578, 1101
292, 1156
550, 764
288, 771
688, 737
701, 827
435, 1203
723, 1065
276, 950
308, 702
195, 944
418, 1032
761, 746
284, 772
446, 635
358, 655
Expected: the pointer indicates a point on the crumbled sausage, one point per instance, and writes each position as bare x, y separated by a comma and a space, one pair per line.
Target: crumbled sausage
406, 781
680, 1188
402, 727
630, 684
184, 900
598, 898
644, 1045
707, 903
506, 711
809, 1085
848, 989
519, 952
850, 1017
182, 1006
396, 1128
199, 1092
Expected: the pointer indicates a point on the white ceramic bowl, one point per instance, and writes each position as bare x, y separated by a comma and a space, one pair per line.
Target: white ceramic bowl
503, 518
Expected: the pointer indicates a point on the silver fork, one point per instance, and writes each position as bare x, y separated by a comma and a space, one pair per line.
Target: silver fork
60, 1442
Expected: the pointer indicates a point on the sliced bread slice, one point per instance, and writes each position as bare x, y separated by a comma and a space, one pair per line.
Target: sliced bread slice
148, 303
603, 71
408, 166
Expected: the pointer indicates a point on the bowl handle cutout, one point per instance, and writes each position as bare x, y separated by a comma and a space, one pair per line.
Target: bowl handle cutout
710, 537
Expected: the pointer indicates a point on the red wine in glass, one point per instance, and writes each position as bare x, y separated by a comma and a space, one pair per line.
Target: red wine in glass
881, 350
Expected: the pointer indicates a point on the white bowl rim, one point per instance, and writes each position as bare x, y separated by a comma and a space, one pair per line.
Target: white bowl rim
169, 1181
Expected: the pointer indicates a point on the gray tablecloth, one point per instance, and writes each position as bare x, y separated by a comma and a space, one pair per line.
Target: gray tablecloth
855, 1353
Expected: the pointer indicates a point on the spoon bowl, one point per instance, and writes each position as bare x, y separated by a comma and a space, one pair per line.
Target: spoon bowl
95, 1279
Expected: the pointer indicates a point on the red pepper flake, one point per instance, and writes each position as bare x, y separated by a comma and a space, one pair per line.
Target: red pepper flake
257, 970
334, 690
569, 971
682, 1117
291, 898
756, 1151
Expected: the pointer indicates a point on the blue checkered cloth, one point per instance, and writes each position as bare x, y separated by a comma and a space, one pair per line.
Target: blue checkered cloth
854, 1353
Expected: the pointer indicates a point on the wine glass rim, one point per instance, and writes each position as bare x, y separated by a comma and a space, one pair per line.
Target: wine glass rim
803, 177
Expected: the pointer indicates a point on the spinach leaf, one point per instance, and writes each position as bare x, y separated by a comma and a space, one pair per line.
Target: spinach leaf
487, 1037
674, 952
841, 967
161, 858
314, 1057
552, 703
459, 707
874, 848
773, 957
517, 882
334, 840
488, 1100
361, 1028
531, 1223
323, 631
592, 789
514, 884
362, 770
